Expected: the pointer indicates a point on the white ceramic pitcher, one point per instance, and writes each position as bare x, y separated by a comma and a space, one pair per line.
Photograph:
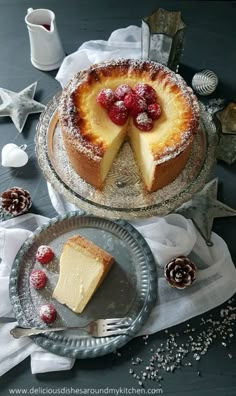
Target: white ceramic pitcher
46, 51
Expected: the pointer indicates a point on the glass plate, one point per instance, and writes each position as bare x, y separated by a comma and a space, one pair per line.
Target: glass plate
123, 195
129, 290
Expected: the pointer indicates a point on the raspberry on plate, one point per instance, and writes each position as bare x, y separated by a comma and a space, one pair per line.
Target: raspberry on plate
44, 254
47, 313
154, 111
135, 103
38, 279
143, 122
106, 98
146, 92
121, 91
118, 113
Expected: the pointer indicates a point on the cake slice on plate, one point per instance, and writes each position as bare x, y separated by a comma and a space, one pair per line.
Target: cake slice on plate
83, 266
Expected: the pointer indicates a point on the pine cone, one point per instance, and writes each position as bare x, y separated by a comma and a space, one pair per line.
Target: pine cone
16, 201
180, 272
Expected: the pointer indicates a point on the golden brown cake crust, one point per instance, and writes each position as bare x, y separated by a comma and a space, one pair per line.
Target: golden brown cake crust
167, 171
86, 166
93, 250
85, 151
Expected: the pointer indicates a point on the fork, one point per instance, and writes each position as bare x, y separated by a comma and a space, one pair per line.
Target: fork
96, 328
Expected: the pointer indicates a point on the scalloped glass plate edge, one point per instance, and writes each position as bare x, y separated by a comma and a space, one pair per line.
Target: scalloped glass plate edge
113, 343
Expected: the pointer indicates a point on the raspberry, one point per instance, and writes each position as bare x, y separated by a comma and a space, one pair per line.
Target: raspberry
121, 91
38, 279
154, 111
146, 92
47, 313
44, 254
106, 98
118, 113
143, 122
135, 103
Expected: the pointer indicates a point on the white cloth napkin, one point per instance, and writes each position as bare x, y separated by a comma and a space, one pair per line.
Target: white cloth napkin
12, 235
123, 43
169, 237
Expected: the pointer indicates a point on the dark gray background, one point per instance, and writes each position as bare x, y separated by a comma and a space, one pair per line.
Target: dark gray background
211, 44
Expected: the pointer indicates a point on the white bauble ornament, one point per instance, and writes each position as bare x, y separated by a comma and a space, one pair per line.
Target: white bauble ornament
14, 156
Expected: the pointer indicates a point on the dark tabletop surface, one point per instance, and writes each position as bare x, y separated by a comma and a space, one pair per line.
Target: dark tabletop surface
211, 44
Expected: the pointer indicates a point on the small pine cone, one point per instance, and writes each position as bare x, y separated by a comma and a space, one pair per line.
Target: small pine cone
16, 201
180, 272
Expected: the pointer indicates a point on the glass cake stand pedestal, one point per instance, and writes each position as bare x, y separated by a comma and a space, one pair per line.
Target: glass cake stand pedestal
123, 195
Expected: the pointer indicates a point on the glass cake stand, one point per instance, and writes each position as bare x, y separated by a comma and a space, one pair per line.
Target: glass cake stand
123, 195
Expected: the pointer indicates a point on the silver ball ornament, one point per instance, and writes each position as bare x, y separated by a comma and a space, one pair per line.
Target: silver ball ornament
205, 82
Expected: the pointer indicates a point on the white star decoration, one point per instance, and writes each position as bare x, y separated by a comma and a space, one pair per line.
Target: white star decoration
19, 105
204, 207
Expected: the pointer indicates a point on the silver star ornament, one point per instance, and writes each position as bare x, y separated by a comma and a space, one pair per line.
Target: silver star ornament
203, 208
19, 105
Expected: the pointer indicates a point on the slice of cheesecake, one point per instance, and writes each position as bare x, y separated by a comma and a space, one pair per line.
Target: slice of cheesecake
83, 266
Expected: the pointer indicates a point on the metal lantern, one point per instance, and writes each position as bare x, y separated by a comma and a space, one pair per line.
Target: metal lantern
163, 38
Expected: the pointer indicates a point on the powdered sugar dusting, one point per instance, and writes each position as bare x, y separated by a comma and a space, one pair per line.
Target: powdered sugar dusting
38, 279
143, 122
44, 254
69, 116
43, 249
121, 91
45, 310
143, 118
120, 105
47, 313
108, 93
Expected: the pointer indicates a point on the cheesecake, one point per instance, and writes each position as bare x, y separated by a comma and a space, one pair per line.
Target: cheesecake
92, 140
83, 266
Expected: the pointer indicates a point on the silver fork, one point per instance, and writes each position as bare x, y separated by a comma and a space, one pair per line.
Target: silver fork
96, 328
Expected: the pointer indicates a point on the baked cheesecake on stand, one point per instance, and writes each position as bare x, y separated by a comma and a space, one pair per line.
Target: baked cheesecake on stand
93, 133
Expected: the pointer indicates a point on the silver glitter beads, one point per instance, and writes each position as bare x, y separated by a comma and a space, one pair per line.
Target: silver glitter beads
204, 82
